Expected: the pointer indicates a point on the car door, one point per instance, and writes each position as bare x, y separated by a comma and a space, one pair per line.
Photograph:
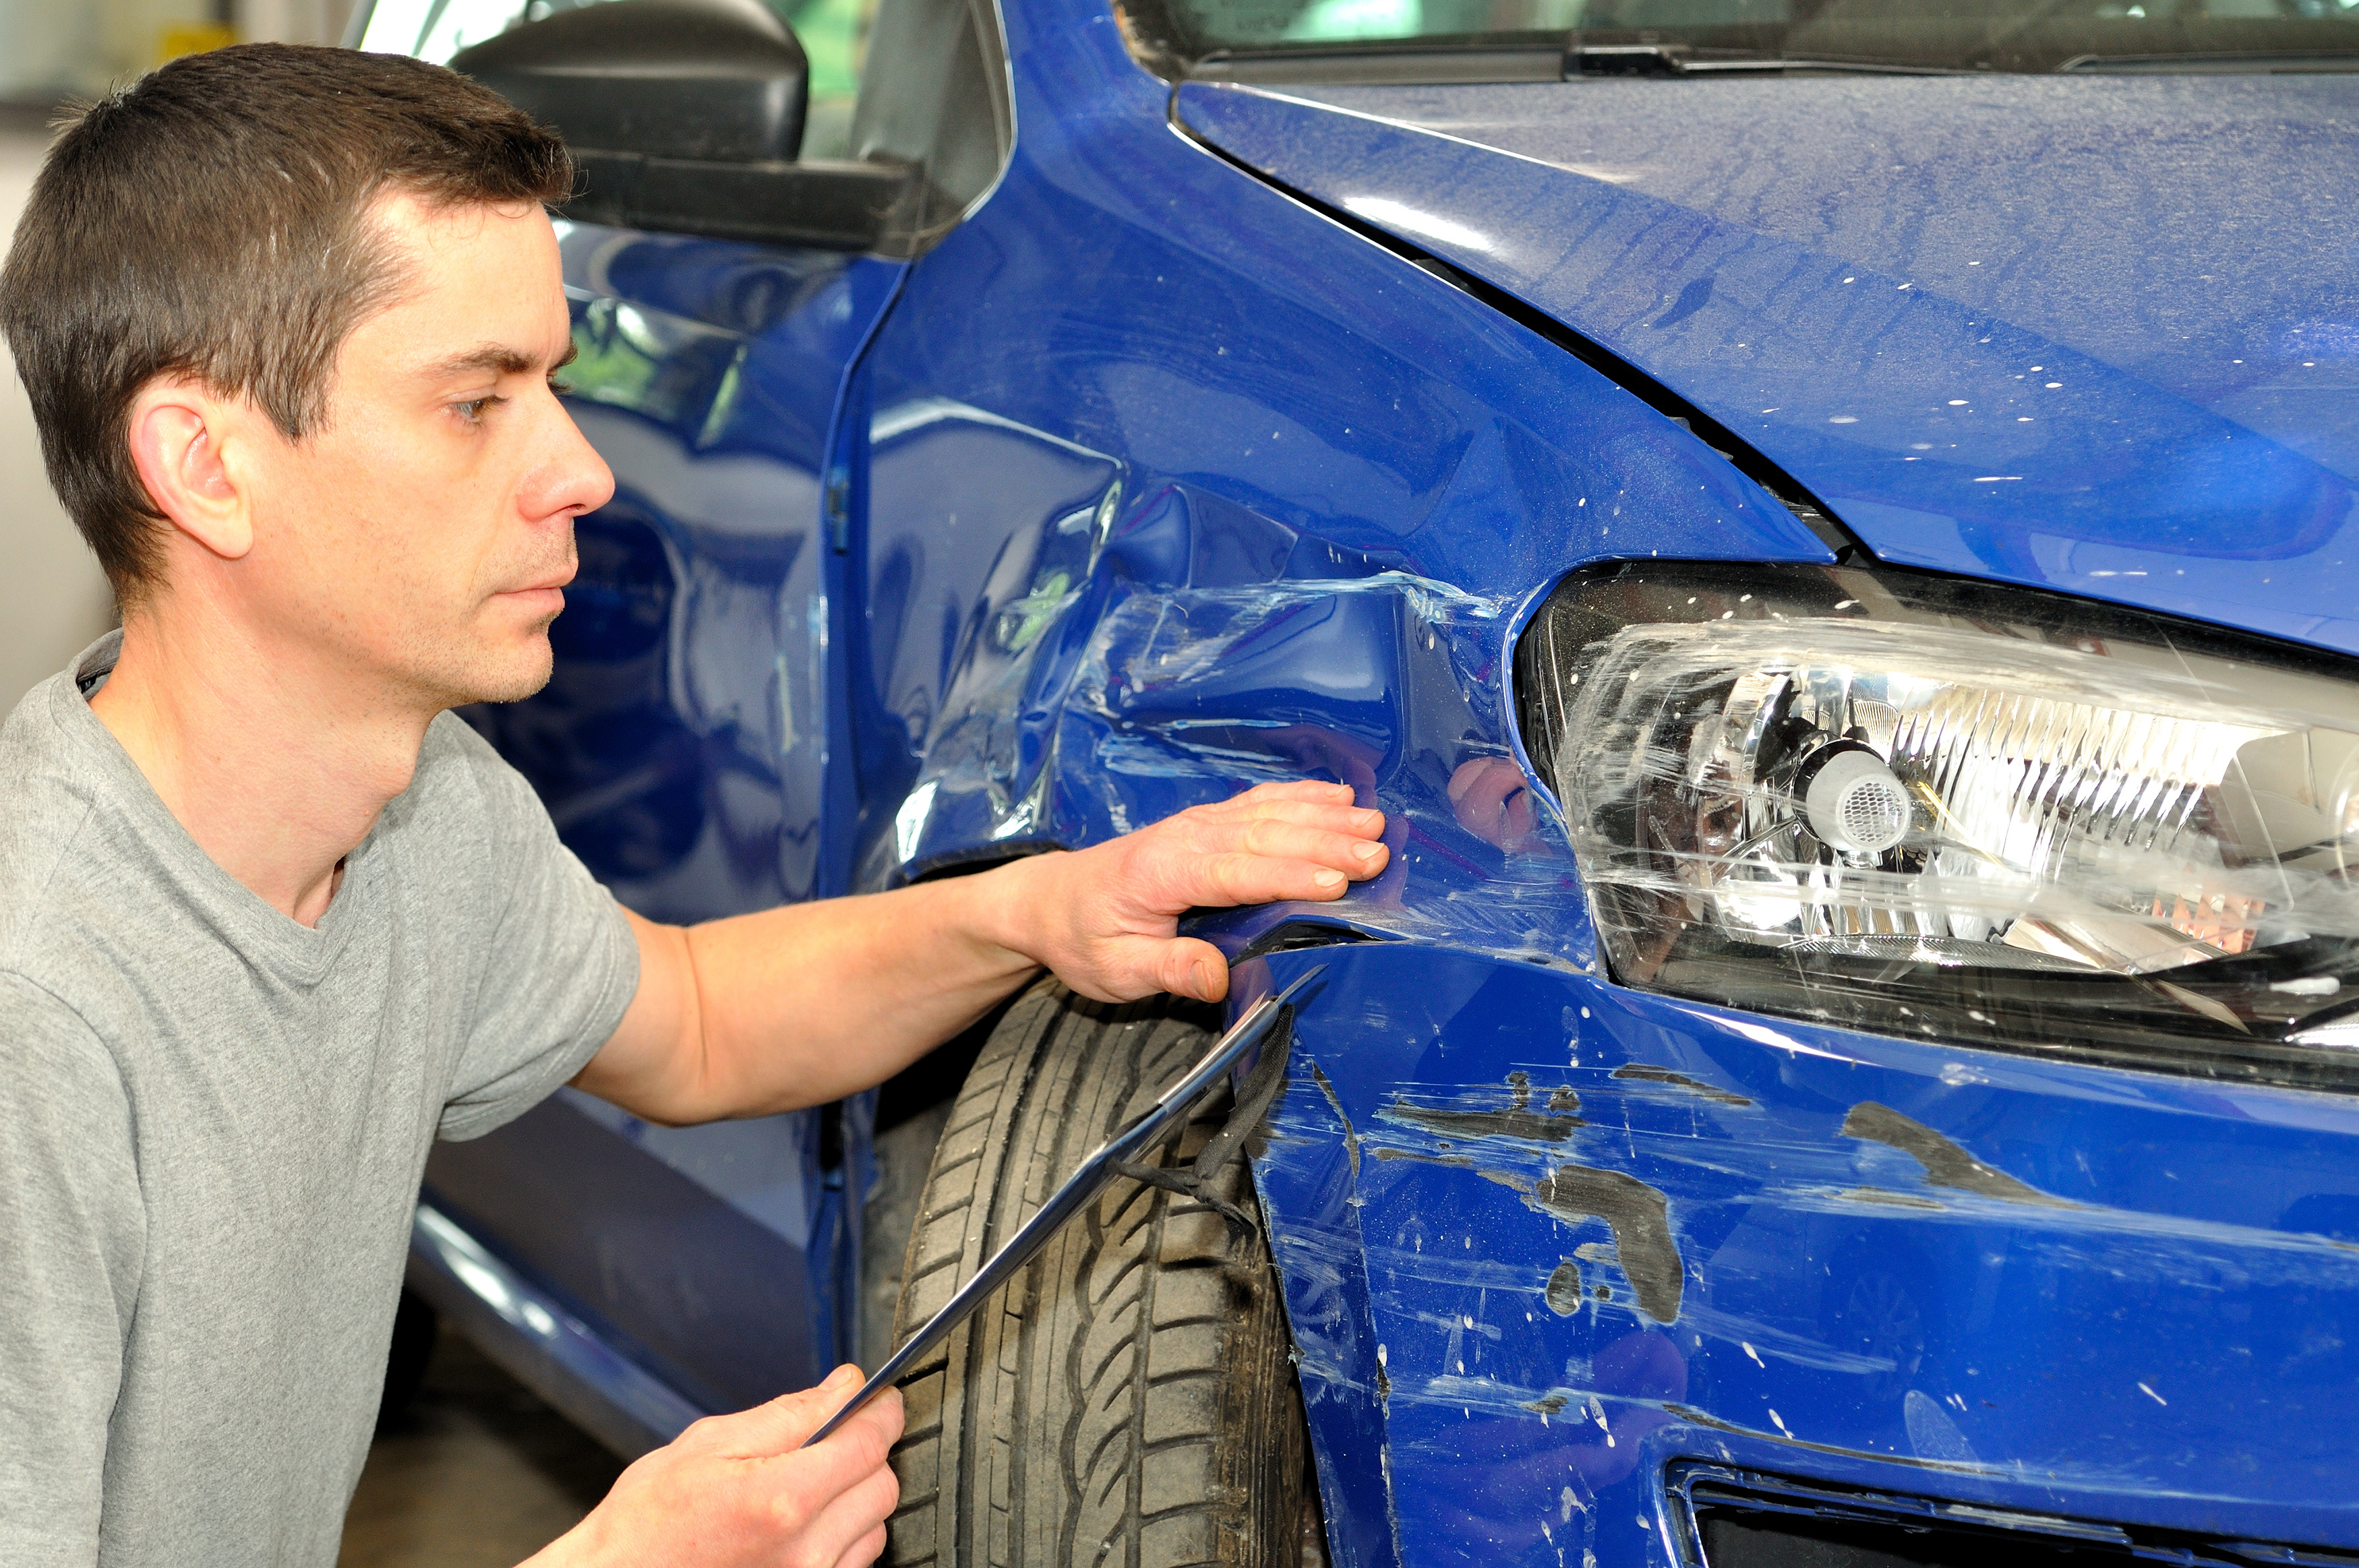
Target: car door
683, 743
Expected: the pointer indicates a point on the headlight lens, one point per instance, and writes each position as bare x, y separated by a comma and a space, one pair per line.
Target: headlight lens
1933, 808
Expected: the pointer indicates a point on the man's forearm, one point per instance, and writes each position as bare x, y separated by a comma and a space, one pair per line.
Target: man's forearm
805, 1004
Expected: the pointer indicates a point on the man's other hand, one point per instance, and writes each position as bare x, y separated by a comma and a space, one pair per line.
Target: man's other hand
743, 1489
1106, 918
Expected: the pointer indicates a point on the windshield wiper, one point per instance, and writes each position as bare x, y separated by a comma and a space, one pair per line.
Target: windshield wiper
1680, 59
2210, 64
1424, 62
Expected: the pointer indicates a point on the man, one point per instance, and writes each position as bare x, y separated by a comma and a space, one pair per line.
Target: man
272, 920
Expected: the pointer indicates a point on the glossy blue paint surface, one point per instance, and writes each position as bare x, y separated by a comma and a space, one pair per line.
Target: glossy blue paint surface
2094, 334
1157, 483
536, 1334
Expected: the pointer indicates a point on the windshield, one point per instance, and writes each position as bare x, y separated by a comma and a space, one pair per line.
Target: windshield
1464, 40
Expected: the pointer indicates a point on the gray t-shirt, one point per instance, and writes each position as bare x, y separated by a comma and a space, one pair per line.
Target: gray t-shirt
213, 1122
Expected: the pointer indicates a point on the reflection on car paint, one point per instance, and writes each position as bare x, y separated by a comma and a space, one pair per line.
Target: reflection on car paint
2068, 444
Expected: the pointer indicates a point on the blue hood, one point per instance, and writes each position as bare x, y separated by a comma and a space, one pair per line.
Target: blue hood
2098, 335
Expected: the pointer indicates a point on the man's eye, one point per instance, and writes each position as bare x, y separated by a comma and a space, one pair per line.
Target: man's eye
472, 410
558, 384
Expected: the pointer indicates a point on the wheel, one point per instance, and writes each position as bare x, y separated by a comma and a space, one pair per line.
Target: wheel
1128, 1401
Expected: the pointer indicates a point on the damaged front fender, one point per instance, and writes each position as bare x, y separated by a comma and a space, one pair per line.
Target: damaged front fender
1146, 654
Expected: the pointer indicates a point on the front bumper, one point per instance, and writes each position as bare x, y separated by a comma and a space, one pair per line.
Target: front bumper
1545, 1238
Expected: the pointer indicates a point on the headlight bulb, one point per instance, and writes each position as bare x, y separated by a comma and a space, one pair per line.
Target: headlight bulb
1854, 804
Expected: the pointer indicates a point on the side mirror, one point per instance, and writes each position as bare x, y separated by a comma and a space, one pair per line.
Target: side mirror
687, 115
720, 80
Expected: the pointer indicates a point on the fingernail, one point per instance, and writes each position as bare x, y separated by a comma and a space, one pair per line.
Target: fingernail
1329, 880
1367, 852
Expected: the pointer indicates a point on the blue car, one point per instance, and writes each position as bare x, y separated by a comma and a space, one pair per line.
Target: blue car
1827, 525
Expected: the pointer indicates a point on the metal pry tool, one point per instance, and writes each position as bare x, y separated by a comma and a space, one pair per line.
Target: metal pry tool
1085, 1184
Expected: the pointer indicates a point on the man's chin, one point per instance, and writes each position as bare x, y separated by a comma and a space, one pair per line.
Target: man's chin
515, 687
508, 673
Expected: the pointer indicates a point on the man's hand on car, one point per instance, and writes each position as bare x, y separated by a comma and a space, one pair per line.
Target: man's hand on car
810, 1002
1106, 918
741, 1489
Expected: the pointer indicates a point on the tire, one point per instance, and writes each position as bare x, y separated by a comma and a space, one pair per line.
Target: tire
1128, 1401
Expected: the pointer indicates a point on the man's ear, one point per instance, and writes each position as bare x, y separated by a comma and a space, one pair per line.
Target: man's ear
182, 438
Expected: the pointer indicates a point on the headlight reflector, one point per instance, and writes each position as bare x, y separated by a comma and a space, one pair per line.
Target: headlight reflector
1933, 808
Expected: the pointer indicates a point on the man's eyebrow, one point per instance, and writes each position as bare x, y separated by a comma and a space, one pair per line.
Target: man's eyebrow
499, 358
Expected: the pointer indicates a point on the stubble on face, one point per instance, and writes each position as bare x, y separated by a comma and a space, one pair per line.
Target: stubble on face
423, 535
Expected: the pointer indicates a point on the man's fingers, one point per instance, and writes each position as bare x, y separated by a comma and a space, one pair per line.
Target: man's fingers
1126, 968
1348, 852
749, 1491
806, 1484
854, 1514
1241, 878
865, 1550
1337, 815
1289, 789
1187, 968
781, 1425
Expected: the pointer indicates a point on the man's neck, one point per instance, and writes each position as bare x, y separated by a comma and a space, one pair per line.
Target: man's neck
277, 769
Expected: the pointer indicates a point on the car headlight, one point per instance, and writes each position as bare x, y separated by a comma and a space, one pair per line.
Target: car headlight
1928, 807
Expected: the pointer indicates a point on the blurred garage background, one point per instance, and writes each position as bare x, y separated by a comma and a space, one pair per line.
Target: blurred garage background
477, 1471
52, 599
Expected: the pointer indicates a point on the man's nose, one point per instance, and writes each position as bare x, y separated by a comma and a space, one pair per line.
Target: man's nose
570, 478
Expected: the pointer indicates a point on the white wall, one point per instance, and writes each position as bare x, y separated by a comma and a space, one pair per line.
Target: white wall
53, 599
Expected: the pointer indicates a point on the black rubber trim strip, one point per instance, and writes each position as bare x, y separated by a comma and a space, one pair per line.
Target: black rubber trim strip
824, 205
1849, 548
1293, 936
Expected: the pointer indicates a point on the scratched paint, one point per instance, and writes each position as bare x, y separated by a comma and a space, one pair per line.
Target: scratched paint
1640, 1219
1517, 1119
1754, 1308
1642, 1072
1946, 1164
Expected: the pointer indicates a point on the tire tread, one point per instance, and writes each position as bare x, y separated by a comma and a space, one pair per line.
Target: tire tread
1030, 1431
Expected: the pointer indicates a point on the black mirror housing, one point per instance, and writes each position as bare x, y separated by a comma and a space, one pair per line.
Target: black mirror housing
708, 80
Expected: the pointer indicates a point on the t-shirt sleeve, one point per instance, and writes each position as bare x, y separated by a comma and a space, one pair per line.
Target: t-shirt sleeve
561, 968
72, 1237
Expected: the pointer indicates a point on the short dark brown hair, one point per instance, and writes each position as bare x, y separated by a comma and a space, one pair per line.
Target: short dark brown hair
212, 221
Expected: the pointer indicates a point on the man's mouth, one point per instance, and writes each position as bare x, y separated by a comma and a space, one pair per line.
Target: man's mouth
548, 585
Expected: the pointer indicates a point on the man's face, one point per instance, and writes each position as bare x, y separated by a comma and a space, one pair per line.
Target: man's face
423, 534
